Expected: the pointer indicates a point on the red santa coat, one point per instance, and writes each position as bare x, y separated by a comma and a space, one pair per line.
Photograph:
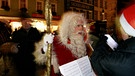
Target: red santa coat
63, 54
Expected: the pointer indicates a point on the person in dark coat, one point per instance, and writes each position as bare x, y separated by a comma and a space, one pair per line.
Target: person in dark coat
5, 33
26, 37
121, 61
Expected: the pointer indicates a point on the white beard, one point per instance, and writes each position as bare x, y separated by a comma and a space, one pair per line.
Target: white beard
77, 45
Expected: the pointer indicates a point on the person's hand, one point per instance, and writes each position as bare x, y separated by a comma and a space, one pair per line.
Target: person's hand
102, 42
103, 38
48, 38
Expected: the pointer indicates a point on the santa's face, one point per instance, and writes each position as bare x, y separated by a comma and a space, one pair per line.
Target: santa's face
79, 29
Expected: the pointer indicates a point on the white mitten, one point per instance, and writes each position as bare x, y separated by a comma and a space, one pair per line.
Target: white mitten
41, 58
48, 38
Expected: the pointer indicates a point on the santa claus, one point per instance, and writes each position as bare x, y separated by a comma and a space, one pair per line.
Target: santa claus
68, 45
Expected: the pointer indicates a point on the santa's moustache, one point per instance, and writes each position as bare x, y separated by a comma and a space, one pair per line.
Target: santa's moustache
78, 47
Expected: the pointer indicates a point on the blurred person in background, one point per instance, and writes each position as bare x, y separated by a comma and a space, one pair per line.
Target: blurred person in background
5, 31
93, 36
26, 37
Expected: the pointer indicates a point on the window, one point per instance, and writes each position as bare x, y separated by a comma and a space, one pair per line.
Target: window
23, 4
4, 3
96, 3
95, 15
90, 15
106, 16
90, 1
84, 12
53, 7
39, 5
101, 4
105, 5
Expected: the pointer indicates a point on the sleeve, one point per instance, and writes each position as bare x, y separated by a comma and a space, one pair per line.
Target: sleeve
118, 63
97, 55
36, 35
100, 51
112, 63
16, 37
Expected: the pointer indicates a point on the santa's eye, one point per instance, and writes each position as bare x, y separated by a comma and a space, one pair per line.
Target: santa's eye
79, 25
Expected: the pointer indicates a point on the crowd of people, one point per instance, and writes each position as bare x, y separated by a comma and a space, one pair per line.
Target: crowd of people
71, 43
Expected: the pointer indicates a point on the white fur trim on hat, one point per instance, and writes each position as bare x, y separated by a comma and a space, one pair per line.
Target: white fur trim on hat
126, 26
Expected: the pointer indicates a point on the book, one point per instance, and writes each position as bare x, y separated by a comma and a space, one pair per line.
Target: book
79, 67
111, 42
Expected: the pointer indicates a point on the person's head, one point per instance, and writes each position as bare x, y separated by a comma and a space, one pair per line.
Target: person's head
72, 23
26, 23
127, 22
72, 29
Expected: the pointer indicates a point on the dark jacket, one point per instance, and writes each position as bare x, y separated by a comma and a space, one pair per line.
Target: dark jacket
24, 59
120, 62
5, 33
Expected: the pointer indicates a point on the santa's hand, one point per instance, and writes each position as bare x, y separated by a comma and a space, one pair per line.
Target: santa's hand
48, 38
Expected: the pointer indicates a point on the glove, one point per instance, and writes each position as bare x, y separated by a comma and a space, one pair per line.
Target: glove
48, 38
102, 43
103, 38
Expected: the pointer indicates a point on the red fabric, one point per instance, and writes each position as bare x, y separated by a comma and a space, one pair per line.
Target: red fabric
129, 14
63, 54
92, 28
52, 72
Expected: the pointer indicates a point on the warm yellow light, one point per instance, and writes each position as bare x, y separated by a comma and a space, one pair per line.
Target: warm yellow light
40, 25
15, 25
54, 28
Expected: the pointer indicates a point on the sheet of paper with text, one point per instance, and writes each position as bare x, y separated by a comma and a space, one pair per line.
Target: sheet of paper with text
79, 67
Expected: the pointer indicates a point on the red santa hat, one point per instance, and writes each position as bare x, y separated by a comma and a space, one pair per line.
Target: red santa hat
127, 20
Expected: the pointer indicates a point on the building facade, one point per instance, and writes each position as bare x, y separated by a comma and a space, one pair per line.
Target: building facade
36, 8
97, 10
105, 10
13, 10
